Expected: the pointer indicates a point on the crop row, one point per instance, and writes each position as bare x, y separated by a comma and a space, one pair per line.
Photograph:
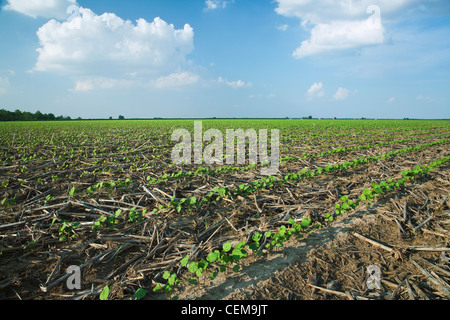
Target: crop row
242, 189
190, 204
265, 182
342, 150
227, 258
81, 140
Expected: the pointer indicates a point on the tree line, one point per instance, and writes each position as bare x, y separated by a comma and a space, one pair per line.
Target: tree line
18, 115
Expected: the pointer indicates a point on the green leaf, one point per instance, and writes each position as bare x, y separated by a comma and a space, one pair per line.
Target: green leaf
157, 287
105, 293
238, 254
306, 222
203, 264
140, 293
240, 245
72, 191
213, 256
213, 275
226, 246
236, 268
172, 279
193, 267
256, 236
167, 288
185, 260
53, 222
166, 274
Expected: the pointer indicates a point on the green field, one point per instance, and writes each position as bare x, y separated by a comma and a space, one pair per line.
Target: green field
106, 195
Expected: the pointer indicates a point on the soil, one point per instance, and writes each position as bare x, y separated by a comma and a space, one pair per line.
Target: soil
333, 263
404, 234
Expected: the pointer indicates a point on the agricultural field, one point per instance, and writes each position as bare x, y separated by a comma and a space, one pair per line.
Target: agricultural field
106, 196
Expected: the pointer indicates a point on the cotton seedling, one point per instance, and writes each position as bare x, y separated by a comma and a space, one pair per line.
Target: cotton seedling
135, 216
66, 229
172, 281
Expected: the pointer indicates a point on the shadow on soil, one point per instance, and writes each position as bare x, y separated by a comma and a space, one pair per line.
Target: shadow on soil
263, 268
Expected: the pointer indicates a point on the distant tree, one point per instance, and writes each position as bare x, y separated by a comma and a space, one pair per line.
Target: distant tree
310, 117
28, 116
4, 116
39, 116
18, 115
121, 118
110, 118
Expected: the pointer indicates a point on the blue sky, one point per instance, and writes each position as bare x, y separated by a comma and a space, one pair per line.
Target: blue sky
237, 58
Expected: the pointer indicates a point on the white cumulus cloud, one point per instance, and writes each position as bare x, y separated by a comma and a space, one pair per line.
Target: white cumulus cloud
316, 90
324, 11
56, 9
108, 46
337, 25
339, 35
341, 94
86, 85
